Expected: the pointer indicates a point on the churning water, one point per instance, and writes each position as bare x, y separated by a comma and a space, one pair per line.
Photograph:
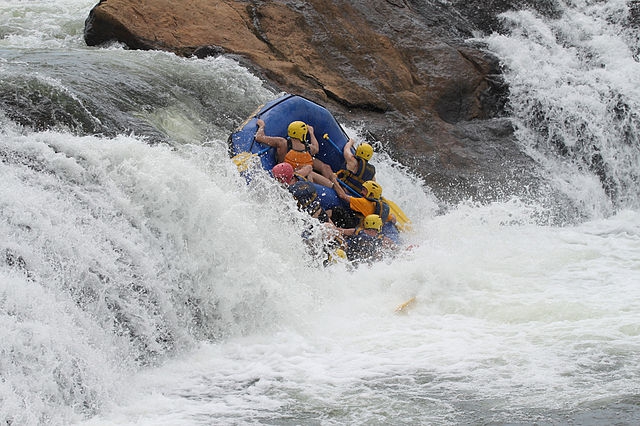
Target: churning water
143, 282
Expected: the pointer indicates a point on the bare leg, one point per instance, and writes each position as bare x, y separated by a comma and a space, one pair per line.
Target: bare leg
323, 168
318, 178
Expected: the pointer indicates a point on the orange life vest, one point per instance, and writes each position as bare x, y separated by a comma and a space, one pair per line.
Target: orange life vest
298, 159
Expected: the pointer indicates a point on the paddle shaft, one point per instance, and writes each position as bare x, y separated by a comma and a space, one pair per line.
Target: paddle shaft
353, 191
326, 137
262, 151
253, 141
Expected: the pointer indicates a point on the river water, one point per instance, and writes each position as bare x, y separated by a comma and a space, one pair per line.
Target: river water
142, 281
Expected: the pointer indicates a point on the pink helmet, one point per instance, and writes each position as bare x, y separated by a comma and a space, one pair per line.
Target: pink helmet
283, 172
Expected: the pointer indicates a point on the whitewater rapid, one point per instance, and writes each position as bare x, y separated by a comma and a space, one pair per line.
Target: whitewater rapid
575, 95
511, 323
143, 281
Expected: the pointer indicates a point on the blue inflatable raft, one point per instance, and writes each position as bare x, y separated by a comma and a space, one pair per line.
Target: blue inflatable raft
277, 115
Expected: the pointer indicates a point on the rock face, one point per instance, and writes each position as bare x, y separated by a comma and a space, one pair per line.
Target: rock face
400, 66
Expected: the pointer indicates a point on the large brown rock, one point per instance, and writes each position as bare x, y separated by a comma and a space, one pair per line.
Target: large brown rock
324, 48
402, 68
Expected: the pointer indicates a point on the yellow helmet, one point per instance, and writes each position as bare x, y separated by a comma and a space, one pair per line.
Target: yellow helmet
364, 151
373, 189
298, 130
373, 221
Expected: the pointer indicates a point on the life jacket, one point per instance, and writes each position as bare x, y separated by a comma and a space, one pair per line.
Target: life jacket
381, 208
298, 158
362, 247
307, 197
364, 172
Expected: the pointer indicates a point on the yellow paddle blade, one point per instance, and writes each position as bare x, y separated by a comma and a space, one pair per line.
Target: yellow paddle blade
243, 160
405, 305
403, 222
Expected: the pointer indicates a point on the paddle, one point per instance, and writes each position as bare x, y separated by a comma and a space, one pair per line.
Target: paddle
244, 159
405, 305
327, 138
403, 223
350, 189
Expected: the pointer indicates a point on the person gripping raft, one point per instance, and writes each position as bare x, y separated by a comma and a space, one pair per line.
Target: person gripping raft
302, 190
357, 169
296, 150
366, 243
306, 196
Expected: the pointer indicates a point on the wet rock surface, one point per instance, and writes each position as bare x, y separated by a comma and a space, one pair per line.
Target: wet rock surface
402, 69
